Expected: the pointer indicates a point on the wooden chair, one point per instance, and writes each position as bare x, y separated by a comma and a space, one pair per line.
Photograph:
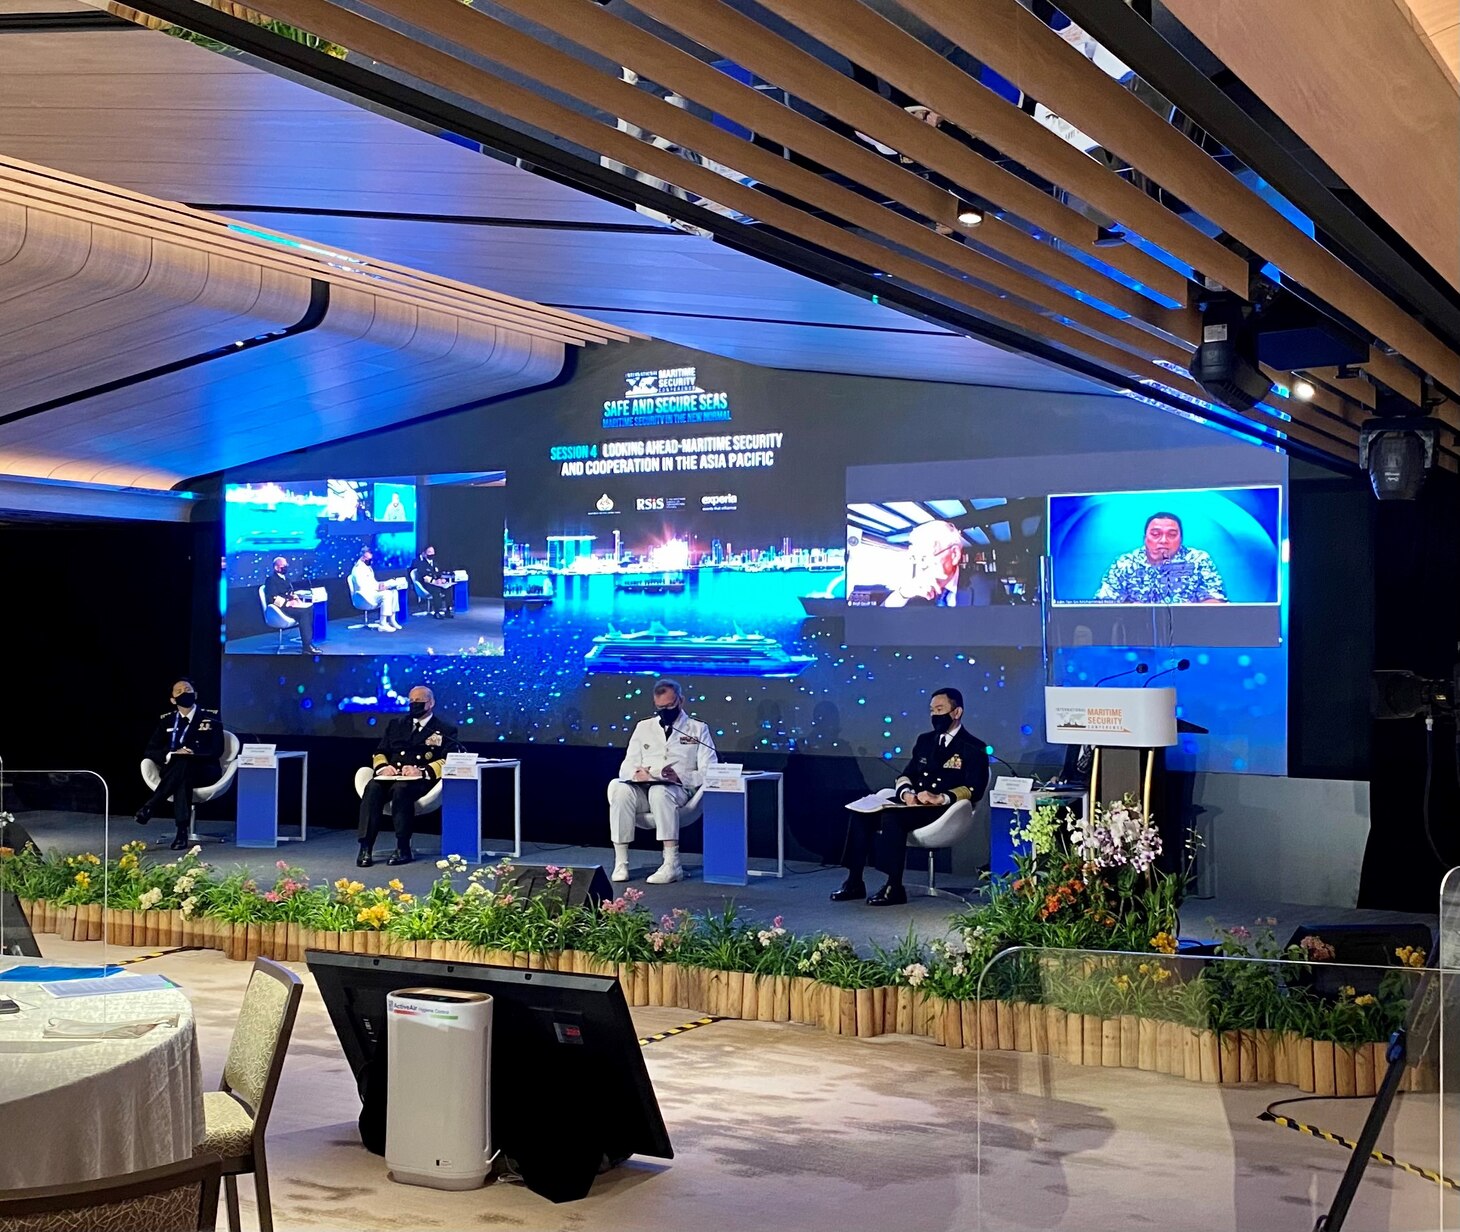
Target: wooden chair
237, 1114
181, 1197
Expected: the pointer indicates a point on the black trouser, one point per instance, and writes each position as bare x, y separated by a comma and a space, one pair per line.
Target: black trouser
439, 599
304, 614
401, 795
885, 835
180, 774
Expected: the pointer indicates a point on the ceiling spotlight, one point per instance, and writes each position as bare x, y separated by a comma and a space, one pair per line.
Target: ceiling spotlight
970, 217
1303, 390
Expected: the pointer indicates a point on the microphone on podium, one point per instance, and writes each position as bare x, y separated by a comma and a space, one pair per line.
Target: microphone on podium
1140, 669
1179, 666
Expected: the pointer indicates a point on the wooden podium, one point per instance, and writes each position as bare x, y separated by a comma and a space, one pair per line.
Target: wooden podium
1129, 729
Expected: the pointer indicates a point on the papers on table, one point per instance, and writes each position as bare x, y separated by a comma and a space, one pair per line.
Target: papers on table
112, 985
649, 782
874, 804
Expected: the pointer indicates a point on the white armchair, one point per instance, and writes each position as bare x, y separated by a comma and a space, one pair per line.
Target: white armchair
426, 804
152, 775
951, 827
363, 604
275, 618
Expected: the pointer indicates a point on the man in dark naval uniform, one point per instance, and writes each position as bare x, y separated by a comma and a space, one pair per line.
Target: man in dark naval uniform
947, 764
186, 744
293, 601
408, 762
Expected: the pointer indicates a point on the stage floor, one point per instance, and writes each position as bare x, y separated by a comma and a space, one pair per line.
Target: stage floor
476, 631
779, 1126
801, 897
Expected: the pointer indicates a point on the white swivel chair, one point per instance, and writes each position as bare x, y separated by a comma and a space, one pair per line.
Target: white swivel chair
277, 619
364, 605
689, 812
152, 775
426, 804
950, 828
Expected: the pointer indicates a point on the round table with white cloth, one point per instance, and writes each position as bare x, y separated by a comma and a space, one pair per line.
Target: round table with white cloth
81, 1109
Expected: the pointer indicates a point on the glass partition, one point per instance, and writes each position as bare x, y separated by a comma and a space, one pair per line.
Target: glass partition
1448, 976
1211, 1093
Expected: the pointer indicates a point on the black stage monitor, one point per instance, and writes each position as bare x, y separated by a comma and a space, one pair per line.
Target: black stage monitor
570, 1092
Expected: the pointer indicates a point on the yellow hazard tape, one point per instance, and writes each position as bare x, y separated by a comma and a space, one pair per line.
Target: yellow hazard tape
127, 962
680, 1030
1439, 1178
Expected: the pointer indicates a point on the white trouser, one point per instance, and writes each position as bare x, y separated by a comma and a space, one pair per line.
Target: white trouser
389, 603
662, 801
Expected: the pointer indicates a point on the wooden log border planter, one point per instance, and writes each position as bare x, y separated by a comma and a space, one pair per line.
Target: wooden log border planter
1321, 1067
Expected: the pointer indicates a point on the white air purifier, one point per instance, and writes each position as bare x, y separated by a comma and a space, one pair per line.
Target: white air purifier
438, 1128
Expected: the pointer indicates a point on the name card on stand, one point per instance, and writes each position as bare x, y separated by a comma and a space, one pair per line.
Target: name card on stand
725, 776
1012, 793
460, 766
258, 757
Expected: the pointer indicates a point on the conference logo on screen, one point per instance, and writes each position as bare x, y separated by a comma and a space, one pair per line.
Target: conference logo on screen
719, 502
665, 396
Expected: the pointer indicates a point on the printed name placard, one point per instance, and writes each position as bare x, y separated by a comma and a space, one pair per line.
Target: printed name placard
1012, 793
460, 766
725, 776
258, 757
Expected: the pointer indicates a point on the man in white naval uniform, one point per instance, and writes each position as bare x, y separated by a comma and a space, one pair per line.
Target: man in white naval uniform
663, 767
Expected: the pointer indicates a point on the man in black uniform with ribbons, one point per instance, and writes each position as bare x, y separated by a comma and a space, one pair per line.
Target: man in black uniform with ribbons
947, 765
408, 762
436, 585
290, 599
186, 744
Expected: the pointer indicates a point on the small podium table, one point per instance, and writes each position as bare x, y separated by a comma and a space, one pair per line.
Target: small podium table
461, 808
727, 830
258, 796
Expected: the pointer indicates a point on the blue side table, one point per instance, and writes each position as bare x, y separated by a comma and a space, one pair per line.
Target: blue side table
258, 802
726, 818
461, 812
1001, 845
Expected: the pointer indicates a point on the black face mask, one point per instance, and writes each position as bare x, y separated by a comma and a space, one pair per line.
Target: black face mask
667, 714
418, 710
185, 701
942, 723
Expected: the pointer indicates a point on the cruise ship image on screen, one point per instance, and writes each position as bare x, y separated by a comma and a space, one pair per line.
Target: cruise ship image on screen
658, 649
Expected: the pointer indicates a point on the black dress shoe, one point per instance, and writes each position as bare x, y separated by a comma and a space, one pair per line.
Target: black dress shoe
181, 841
888, 896
850, 890
401, 857
364, 860
144, 815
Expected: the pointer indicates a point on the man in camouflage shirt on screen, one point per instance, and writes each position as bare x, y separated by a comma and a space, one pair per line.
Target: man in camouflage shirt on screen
1162, 570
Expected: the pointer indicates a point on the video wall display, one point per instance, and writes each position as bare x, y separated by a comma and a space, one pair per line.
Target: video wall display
809, 567
347, 566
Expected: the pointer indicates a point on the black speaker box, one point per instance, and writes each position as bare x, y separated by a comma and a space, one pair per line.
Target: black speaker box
589, 886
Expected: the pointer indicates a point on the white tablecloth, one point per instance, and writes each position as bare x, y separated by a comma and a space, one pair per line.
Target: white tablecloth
78, 1110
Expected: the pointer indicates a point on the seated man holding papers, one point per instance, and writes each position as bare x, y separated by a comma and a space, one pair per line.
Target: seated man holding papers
947, 764
663, 767
408, 762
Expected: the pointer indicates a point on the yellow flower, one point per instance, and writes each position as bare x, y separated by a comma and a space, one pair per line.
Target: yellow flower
395, 884
1122, 981
1161, 974
407, 898
1164, 942
1144, 968
1346, 991
83, 879
374, 916
342, 885
1365, 1000
1410, 956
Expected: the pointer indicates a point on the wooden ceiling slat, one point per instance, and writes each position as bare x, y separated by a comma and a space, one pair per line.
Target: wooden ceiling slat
592, 27
213, 229
226, 243
405, 55
520, 53
720, 28
1024, 49
877, 44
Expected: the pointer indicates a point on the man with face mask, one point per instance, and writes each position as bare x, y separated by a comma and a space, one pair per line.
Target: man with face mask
436, 585
663, 767
186, 745
408, 762
293, 601
947, 764
380, 596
